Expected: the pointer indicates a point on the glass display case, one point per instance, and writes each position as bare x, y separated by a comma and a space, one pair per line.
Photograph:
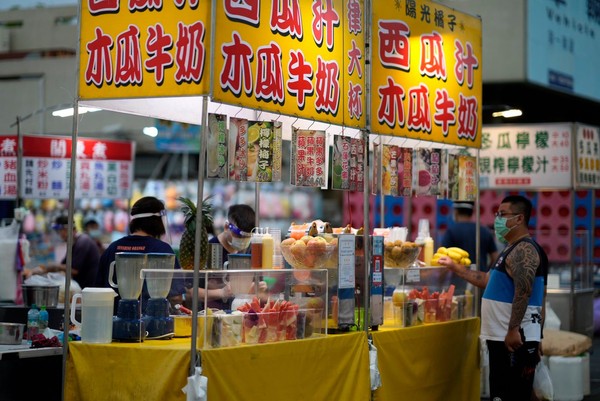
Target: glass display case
423, 295
571, 287
251, 306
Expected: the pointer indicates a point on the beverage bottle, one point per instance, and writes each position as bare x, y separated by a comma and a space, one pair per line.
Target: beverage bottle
43, 320
256, 249
267, 250
33, 316
428, 251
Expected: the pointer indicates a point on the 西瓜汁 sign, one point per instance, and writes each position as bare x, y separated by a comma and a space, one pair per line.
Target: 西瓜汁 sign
426, 73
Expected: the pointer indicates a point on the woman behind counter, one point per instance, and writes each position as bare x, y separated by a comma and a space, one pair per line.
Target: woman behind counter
146, 227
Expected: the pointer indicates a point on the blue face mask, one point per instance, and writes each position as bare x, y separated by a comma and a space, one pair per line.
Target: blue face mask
500, 229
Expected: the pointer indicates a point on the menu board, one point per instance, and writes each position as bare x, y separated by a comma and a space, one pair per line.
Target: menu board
389, 170
528, 156
467, 182
347, 164
216, 146
405, 171
428, 171
8, 160
104, 168
238, 149
587, 152
308, 158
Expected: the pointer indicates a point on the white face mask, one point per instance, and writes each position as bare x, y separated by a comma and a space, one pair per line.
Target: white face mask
239, 244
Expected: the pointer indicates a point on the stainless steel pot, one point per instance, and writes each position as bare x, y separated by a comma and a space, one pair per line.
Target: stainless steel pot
41, 295
11, 333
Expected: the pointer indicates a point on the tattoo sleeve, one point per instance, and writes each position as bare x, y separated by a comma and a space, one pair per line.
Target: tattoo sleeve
475, 277
521, 264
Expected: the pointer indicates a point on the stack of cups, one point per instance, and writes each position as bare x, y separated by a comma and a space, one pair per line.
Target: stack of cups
277, 258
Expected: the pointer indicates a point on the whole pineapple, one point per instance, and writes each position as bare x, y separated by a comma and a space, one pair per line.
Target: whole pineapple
187, 244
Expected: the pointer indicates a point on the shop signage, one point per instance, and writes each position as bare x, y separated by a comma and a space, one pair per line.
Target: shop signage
532, 156
426, 72
104, 168
216, 146
255, 150
587, 154
308, 162
135, 49
348, 164
300, 57
428, 171
462, 177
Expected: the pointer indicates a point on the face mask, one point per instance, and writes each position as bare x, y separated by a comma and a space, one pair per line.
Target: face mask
95, 233
500, 229
240, 244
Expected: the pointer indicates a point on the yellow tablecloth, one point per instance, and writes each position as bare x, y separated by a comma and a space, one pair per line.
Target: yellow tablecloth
335, 367
152, 370
431, 362
326, 368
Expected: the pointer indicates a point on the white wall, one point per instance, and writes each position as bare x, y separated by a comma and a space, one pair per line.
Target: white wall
30, 81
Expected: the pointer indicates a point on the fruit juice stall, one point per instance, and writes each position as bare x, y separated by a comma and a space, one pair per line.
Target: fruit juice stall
315, 92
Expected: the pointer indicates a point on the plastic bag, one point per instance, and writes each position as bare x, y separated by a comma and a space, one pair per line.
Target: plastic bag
542, 384
373, 367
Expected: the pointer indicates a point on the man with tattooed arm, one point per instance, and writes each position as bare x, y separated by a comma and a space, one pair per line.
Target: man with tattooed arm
512, 306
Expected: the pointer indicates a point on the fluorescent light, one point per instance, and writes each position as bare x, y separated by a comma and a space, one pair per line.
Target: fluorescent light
68, 112
508, 113
150, 131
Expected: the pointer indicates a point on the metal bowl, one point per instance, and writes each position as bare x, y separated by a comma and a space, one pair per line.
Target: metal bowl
11, 333
41, 295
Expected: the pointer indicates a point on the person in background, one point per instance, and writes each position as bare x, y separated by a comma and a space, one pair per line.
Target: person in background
92, 228
236, 234
146, 228
462, 233
85, 255
235, 238
512, 309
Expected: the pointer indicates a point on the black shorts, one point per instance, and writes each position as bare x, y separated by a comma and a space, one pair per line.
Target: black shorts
511, 374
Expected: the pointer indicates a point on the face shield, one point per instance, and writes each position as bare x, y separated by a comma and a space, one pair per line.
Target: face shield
163, 215
240, 240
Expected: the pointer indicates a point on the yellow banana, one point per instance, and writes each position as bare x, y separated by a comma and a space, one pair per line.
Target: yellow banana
462, 252
465, 261
455, 256
442, 250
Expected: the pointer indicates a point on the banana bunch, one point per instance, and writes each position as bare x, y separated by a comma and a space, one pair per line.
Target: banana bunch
457, 254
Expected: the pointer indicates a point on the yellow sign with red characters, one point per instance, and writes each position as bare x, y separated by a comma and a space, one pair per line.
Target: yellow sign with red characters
304, 58
426, 72
144, 48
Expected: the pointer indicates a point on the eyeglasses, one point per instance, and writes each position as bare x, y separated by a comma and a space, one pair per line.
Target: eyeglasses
234, 229
502, 214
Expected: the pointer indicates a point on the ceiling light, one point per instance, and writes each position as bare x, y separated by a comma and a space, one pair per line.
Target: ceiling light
150, 131
68, 112
508, 113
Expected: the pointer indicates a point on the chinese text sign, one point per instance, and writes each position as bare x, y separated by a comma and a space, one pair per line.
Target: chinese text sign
144, 48
426, 79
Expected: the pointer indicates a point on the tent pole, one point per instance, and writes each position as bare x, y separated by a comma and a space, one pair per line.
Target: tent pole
194, 356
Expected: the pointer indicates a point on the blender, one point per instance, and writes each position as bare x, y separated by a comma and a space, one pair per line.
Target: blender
127, 324
157, 319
